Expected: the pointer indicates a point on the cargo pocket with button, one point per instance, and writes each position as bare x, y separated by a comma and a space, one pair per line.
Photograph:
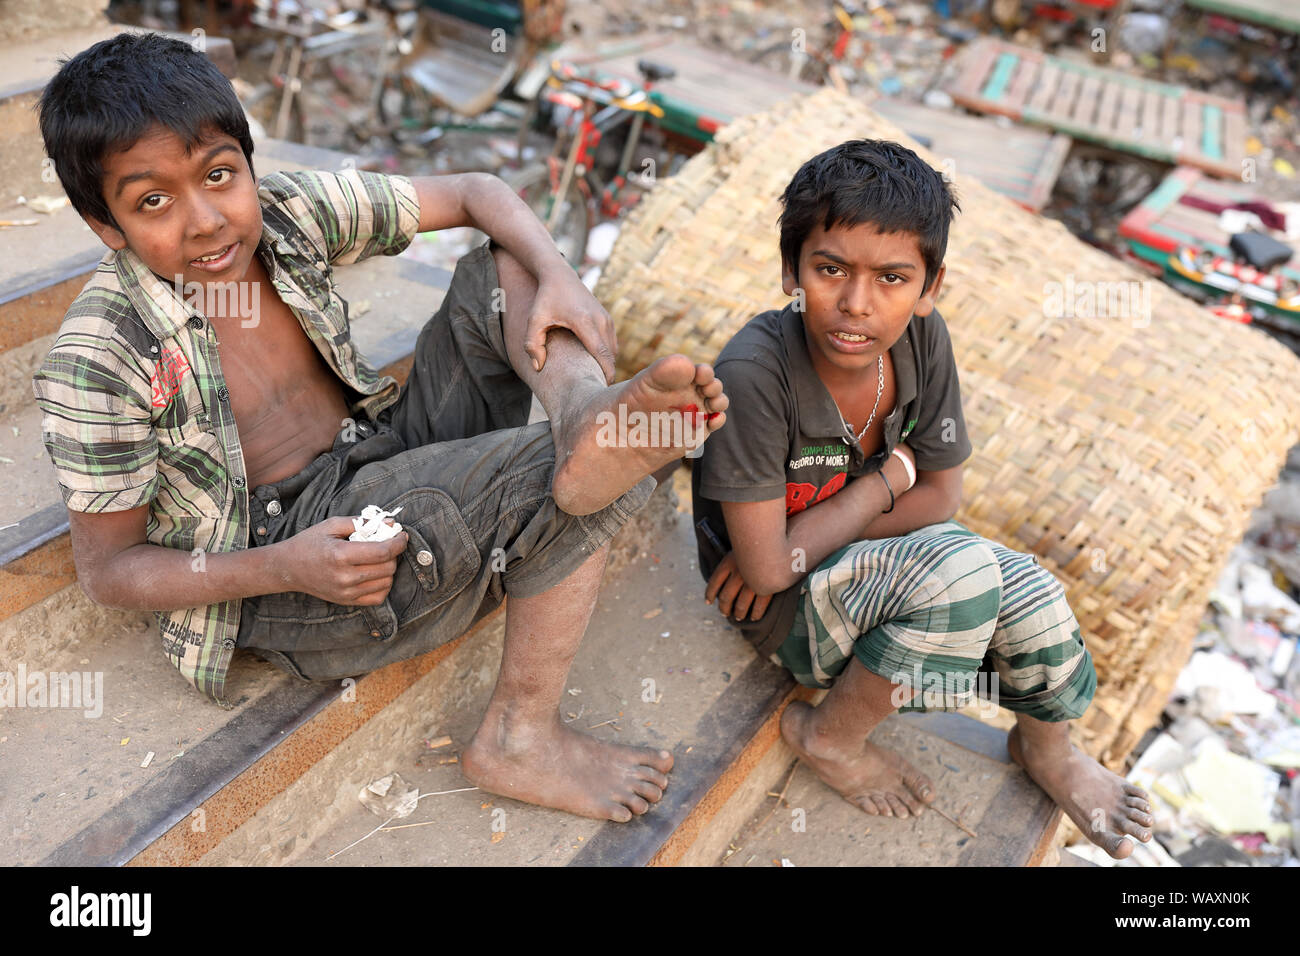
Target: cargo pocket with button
440, 558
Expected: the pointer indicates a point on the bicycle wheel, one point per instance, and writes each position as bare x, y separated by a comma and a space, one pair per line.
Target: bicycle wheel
535, 184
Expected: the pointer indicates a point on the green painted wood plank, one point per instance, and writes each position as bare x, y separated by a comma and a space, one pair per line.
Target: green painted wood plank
1165, 194
1001, 75
1211, 125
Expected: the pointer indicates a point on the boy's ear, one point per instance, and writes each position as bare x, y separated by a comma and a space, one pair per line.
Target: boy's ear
925, 304
109, 235
788, 281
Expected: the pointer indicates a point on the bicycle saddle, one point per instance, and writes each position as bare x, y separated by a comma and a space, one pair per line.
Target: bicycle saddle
1263, 252
654, 72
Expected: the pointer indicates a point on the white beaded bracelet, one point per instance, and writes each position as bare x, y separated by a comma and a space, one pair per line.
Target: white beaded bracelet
910, 468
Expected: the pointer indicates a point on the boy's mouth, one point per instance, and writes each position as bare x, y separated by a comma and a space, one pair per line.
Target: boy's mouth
850, 341
218, 260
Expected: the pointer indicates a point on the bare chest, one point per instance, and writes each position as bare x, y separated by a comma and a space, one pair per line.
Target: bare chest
287, 402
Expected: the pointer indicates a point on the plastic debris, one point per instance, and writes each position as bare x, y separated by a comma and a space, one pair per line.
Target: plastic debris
371, 526
389, 797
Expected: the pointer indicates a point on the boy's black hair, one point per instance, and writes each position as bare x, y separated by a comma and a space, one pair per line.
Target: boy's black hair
106, 98
868, 181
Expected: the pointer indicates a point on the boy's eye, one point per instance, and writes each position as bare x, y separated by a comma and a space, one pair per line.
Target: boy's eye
148, 203
225, 173
826, 269
894, 277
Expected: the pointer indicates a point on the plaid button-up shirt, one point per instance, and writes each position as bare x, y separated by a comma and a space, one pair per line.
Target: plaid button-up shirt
135, 408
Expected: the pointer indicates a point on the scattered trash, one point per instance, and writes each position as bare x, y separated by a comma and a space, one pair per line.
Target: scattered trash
1223, 772
45, 204
600, 241
390, 797
148, 759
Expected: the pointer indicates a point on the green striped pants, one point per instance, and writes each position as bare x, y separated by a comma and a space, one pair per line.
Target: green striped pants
937, 610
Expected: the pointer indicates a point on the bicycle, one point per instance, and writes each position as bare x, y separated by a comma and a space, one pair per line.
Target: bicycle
566, 190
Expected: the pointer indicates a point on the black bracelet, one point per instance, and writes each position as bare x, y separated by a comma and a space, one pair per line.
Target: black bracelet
881, 473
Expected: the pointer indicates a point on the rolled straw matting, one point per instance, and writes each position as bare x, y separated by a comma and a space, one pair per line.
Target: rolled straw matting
1128, 457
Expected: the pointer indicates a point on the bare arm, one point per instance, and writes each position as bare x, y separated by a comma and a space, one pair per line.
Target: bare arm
773, 552
485, 202
118, 567
934, 498
770, 552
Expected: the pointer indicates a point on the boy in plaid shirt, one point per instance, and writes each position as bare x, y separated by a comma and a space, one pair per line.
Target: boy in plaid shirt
214, 429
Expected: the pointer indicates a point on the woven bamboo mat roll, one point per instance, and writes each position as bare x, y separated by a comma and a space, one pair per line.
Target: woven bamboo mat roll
1126, 453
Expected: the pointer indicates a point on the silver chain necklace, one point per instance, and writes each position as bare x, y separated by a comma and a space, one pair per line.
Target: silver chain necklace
880, 390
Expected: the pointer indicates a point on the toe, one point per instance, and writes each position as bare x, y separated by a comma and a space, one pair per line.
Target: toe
713, 392
1133, 790
913, 805
920, 785
660, 760
1139, 816
651, 775
636, 804
646, 789
703, 375
865, 804
1133, 828
896, 806
1115, 844
882, 805
619, 813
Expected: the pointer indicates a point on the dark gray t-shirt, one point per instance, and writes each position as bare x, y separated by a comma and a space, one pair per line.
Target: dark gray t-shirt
784, 436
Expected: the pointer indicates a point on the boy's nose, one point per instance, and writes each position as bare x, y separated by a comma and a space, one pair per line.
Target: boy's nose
205, 219
857, 299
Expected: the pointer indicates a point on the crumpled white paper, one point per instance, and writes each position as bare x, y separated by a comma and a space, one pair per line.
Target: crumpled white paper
371, 525
389, 797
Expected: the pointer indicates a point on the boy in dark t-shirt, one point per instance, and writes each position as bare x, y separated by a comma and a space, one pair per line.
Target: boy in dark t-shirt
823, 510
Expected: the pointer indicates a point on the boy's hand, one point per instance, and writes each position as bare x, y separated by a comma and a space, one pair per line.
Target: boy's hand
733, 593
321, 561
563, 302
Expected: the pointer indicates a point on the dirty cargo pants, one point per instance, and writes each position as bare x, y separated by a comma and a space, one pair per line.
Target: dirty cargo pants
473, 481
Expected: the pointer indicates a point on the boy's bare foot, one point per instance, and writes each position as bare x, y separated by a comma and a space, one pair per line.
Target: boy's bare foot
553, 766
1103, 805
591, 470
871, 778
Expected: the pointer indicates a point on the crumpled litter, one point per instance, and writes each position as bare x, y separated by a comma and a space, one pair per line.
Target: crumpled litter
389, 797
372, 527
1222, 685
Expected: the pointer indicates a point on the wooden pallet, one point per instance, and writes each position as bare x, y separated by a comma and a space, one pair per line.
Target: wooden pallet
1162, 222
1020, 163
1161, 121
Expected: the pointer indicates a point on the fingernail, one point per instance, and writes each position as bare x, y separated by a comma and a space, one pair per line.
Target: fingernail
713, 415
